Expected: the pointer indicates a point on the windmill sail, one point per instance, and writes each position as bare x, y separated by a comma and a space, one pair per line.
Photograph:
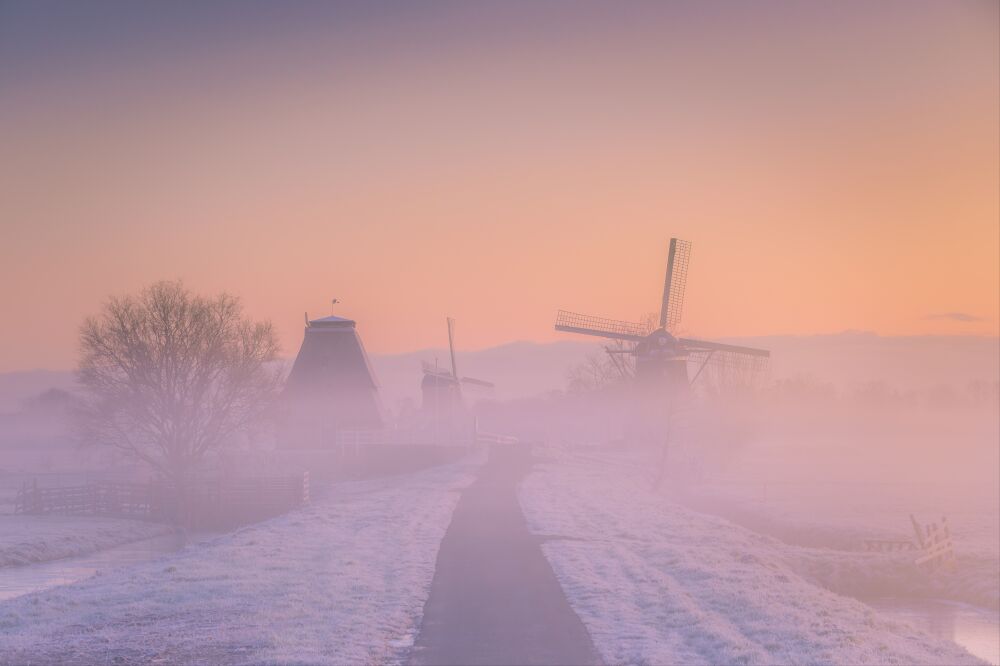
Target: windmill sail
477, 382
573, 322
735, 356
705, 345
451, 376
674, 283
451, 345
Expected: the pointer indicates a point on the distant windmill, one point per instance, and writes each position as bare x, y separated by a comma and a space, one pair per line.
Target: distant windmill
442, 388
660, 357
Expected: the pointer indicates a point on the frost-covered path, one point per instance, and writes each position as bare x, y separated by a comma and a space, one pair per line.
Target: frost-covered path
494, 598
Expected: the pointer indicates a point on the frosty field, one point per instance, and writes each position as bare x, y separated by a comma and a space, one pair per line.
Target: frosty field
655, 582
342, 581
492, 333
30, 539
862, 479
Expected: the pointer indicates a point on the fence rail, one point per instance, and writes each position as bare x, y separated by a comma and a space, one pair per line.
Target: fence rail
206, 503
104, 498
935, 544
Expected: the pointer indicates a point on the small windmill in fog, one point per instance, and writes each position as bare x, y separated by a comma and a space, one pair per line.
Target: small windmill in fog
660, 358
441, 388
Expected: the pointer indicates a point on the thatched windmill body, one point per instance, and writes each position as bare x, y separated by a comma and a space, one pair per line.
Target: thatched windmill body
331, 386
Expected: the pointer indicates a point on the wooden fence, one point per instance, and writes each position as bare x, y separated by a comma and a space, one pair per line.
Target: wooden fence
933, 544
216, 503
888, 545
100, 498
351, 440
938, 552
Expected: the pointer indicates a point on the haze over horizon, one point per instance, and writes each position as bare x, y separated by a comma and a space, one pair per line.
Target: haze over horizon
677, 332
835, 166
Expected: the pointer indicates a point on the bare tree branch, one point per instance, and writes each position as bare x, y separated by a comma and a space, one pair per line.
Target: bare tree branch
171, 377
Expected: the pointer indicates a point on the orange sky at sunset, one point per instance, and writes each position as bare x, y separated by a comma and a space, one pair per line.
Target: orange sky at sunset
835, 168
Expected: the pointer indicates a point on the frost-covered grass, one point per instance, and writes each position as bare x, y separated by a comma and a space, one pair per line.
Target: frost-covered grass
342, 581
31, 539
834, 496
658, 583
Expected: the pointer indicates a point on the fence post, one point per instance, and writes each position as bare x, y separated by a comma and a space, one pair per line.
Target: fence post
149, 498
222, 511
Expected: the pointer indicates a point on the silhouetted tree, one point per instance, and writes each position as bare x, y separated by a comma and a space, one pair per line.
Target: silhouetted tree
170, 376
594, 373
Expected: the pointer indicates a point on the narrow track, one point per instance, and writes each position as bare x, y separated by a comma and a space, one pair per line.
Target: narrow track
494, 598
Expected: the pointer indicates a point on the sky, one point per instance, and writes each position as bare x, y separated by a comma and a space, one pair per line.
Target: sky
835, 165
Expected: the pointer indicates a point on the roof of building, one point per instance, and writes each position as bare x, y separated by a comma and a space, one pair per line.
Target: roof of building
332, 322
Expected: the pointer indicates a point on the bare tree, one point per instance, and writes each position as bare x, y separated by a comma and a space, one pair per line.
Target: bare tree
615, 366
595, 372
171, 376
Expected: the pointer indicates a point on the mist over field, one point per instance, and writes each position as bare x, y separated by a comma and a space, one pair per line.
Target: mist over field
843, 362
820, 483
496, 334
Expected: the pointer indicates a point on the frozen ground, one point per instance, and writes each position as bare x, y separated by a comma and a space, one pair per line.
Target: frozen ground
16, 581
657, 583
863, 483
30, 539
342, 581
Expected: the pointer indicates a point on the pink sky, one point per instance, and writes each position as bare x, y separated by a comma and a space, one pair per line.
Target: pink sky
836, 167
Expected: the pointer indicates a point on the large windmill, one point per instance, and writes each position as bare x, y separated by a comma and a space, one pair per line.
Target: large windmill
441, 388
331, 387
660, 357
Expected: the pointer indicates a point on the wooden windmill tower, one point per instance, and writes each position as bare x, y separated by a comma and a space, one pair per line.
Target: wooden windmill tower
661, 358
331, 387
441, 391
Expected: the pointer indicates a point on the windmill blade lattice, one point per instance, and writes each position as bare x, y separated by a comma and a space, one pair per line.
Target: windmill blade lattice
730, 359
477, 382
451, 346
725, 371
674, 283
733, 365
692, 345
573, 322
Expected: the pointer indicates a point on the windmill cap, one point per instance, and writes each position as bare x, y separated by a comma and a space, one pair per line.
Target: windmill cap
331, 322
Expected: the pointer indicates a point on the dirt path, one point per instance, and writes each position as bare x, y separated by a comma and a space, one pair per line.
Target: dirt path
494, 598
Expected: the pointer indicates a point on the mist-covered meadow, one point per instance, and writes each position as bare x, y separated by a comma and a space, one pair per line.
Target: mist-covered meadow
435, 333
